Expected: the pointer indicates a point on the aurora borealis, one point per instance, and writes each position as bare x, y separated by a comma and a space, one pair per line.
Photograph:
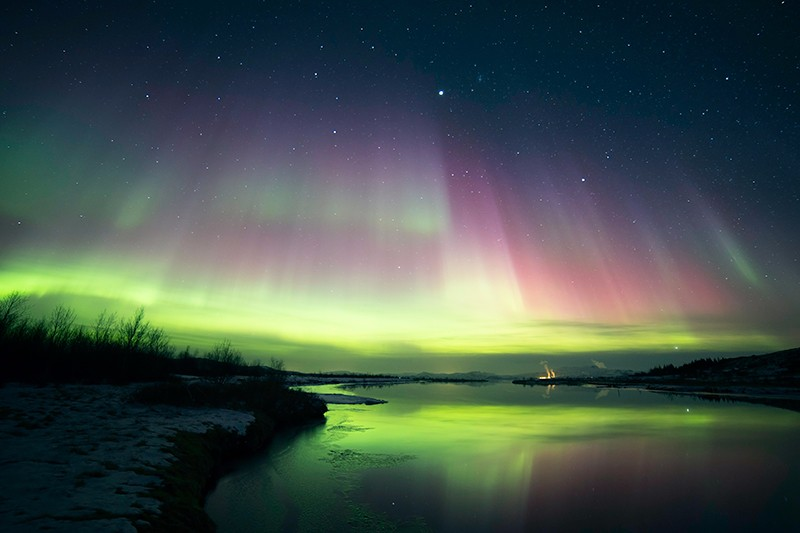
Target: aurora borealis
408, 186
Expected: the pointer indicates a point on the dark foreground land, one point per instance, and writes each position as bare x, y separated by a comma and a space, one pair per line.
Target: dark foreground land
136, 457
770, 379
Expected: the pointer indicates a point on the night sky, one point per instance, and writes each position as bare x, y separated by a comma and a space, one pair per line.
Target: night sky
409, 185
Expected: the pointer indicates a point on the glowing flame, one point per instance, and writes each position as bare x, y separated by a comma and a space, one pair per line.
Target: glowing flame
550, 372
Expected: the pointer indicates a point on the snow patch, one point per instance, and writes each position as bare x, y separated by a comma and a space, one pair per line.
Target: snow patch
83, 457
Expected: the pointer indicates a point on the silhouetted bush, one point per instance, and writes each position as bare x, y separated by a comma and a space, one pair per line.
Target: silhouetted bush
113, 350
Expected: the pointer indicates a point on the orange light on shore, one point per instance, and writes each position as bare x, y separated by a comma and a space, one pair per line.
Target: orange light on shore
550, 372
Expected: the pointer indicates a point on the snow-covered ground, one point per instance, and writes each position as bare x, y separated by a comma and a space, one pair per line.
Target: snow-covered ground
83, 458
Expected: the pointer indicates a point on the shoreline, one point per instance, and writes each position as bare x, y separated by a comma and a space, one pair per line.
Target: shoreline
89, 457
201, 460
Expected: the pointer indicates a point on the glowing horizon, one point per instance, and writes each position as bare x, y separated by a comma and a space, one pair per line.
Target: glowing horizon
405, 257
368, 209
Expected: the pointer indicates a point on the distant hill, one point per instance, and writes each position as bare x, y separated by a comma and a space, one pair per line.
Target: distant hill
777, 368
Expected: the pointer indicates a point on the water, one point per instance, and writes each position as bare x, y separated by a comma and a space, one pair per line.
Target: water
503, 457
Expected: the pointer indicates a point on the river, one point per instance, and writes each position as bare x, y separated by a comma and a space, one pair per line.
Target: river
504, 457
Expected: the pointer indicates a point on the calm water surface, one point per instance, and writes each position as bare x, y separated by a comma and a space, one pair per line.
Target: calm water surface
503, 457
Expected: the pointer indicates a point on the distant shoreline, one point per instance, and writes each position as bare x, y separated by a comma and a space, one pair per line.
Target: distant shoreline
773, 395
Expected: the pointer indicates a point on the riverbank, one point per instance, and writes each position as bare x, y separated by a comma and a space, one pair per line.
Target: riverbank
90, 458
